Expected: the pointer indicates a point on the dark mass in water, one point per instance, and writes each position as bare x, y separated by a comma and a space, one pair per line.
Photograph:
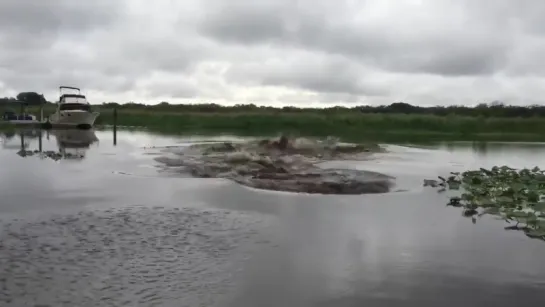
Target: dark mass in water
283, 164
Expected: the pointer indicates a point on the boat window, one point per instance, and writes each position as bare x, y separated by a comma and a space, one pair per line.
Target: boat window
75, 106
75, 100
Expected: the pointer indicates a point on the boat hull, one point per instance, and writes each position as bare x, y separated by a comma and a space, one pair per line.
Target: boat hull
74, 118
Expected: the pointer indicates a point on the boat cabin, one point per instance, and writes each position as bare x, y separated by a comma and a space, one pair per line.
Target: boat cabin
69, 102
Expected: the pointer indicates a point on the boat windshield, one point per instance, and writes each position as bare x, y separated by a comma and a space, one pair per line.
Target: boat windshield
75, 106
74, 100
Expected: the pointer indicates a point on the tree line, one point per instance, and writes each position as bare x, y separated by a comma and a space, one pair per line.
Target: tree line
29, 98
493, 109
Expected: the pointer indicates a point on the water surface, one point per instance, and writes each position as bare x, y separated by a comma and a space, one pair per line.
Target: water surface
111, 229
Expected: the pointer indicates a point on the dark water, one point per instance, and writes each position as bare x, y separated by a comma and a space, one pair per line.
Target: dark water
112, 229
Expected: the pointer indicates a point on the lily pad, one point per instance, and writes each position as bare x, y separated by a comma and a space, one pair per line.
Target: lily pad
536, 234
501, 191
540, 206
454, 185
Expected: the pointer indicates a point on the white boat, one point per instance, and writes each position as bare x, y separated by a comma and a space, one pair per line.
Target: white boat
73, 110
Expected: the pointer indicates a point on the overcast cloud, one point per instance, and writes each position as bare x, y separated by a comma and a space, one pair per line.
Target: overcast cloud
277, 52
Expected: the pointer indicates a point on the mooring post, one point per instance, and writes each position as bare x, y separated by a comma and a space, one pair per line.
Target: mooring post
42, 113
115, 126
22, 136
40, 141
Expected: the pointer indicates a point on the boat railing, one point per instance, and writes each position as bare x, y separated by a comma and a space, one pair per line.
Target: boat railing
69, 88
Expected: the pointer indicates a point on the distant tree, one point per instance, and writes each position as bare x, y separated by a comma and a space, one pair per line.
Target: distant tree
497, 104
31, 98
7, 100
484, 110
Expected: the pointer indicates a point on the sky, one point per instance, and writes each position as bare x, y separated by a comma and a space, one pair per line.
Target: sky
277, 52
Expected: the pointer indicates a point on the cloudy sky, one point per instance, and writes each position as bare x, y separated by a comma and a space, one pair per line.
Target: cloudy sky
277, 52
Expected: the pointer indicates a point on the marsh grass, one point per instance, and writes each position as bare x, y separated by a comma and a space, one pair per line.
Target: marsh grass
348, 126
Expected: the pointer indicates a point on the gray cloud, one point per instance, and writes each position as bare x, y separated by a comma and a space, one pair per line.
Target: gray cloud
276, 51
57, 15
307, 71
405, 48
35, 54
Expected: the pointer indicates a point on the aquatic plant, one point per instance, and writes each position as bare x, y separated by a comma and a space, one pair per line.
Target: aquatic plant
515, 195
53, 155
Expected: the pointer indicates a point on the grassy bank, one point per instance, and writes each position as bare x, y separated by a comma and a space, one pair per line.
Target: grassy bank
349, 126
395, 127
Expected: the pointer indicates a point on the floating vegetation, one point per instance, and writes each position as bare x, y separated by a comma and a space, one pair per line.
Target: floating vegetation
56, 156
517, 196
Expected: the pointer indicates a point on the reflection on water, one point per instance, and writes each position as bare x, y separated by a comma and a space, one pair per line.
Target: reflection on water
481, 148
484, 148
144, 238
488, 154
71, 143
74, 144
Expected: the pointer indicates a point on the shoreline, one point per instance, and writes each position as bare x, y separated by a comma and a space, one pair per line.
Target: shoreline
378, 136
351, 126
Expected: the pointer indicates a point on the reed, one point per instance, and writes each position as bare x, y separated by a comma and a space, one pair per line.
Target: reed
348, 126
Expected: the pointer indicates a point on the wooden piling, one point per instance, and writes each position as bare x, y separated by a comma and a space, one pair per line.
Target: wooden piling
40, 141
115, 126
22, 136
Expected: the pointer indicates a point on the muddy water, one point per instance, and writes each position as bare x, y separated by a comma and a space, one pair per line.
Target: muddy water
111, 229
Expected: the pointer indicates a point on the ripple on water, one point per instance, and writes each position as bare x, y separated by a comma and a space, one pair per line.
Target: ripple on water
128, 257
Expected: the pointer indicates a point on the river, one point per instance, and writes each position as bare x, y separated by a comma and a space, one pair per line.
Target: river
111, 227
